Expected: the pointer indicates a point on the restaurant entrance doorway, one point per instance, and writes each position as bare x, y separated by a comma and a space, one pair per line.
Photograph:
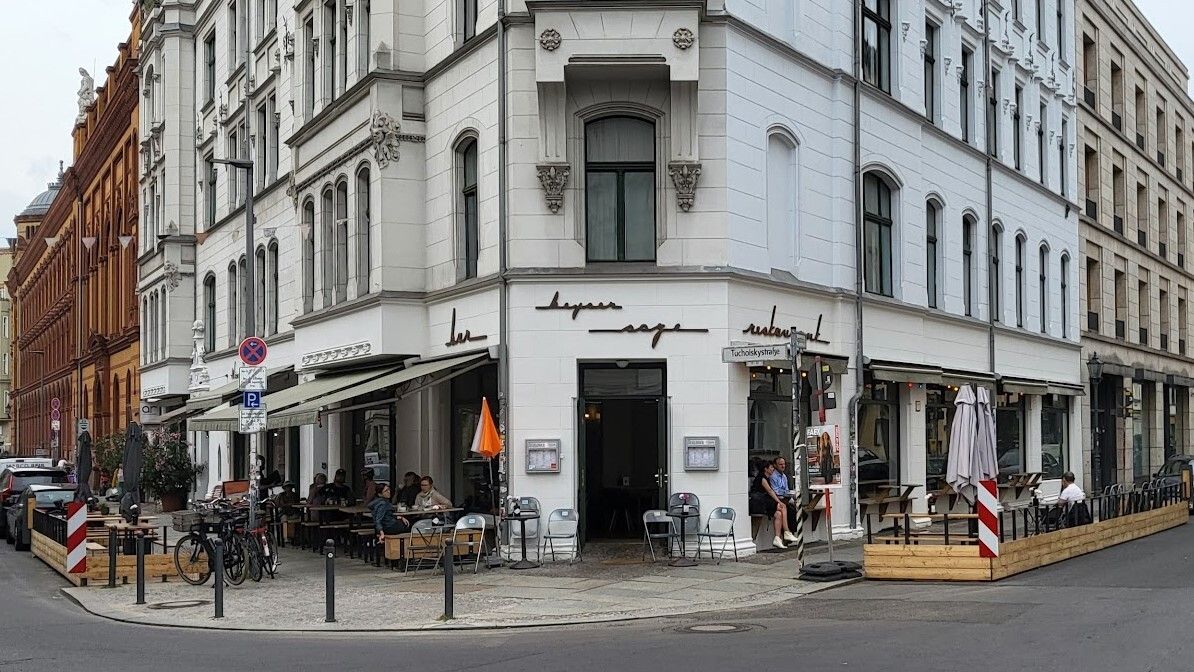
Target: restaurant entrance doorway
623, 470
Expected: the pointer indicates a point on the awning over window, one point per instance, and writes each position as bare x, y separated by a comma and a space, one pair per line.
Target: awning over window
1024, 386
907, 373
226, 418
413, 378
1066, 390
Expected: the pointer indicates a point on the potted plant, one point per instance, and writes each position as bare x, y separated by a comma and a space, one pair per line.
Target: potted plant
107, 454
169, 472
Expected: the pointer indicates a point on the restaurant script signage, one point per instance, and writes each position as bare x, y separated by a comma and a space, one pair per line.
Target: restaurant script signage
778, 332
576, 308
458, 338
658, 331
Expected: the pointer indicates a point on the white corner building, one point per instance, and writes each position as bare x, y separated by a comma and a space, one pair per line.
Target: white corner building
570, 208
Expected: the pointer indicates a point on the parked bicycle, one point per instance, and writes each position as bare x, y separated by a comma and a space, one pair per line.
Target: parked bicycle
194, 554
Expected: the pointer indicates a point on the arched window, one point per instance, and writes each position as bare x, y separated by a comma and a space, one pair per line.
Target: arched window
468, 246
1020, 241
781, 200
114, 400
968, 226
362, 231
1065, 296
326, 236
996, 244
620, 189
932, 252
209, 313
341, 261
242, 273
877, 227
272, 321
162, 322
1043, 287
308, 232
260, 296
233, 302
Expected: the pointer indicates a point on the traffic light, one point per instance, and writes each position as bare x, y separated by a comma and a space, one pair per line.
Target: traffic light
821, 398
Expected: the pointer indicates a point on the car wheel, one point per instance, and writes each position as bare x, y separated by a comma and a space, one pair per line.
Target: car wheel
8, 534
18, 540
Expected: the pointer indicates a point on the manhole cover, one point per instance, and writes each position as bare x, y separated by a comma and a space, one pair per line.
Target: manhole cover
179, 604
715, 628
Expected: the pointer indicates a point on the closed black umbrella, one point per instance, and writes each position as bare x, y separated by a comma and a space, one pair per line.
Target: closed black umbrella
83, 467
134, 461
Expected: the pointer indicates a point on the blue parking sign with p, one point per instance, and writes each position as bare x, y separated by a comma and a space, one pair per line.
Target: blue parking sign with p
252, 400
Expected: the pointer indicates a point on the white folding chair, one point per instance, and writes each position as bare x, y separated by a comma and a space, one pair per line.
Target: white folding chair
720, 525
468, 524
561, 524
426, 544
658, 517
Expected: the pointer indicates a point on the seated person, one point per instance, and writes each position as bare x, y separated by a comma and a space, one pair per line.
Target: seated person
338, 491
370, 487
763, 501
409, 489
384, 521
1074, 500
429, 497
779, 483
315, 491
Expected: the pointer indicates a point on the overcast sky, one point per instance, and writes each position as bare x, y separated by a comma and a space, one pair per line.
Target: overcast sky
43, 44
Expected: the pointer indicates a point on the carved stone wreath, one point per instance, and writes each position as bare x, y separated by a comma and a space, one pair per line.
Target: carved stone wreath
550, 39
385, 131
553, 177
683, 38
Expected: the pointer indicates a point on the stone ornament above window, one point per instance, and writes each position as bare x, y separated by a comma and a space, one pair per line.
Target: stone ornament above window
385, 133
550, 39
683, 38
554, 178
684, 177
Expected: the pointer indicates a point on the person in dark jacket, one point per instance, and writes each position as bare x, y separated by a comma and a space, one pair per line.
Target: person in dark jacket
409, 489
384, 520
370, 487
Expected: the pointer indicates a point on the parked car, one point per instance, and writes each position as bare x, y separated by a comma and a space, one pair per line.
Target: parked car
25, 463
19, 516
1171, 472
13, 482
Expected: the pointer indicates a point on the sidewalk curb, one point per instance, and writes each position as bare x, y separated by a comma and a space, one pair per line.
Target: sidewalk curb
443, 627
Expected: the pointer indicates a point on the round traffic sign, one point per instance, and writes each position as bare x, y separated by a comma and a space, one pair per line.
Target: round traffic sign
253, 351
55, 403
55, 414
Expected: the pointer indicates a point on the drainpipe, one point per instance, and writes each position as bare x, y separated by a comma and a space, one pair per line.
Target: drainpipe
858, 284
503, 284
989, 166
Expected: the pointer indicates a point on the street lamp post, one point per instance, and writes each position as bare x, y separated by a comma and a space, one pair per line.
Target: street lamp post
1094, 367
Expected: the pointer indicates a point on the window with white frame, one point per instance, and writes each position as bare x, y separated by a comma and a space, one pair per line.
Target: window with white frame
329, 51
243, 308
233, 303
260, 296
969, 224
308, 234
327, 233
932, 251
930, 70
1065, 295
209, 313
467, 10
363, 232
876, 43
274, 302
1043, 287
341, 232
996, 245
364, 12
782, 192
309, 59
469, 227
1020, 242
209, 68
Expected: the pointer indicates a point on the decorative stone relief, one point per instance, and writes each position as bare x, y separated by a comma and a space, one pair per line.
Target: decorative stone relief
683, 38
684, 177
385, 132
86, 95
200, 378
554, 178
171, 273
905, 26
550, 39
337, 354
292, 189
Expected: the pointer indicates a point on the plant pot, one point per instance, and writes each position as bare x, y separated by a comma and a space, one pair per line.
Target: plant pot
173, 501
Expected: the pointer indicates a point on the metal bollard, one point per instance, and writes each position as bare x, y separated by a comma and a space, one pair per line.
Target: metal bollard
329, 551
449, 567
140, 568
112, 557
218, 572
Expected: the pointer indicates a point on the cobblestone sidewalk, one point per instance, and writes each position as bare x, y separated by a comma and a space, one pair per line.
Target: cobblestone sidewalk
604, 587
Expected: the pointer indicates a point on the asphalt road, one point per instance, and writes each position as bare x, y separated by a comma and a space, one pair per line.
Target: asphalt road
1127, 608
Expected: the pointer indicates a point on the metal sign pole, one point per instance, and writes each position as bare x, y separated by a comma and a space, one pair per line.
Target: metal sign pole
800, 454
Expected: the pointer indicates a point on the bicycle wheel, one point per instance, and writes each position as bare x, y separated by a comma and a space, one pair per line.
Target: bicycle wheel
191, 560
234, 561
253, 557
269, 554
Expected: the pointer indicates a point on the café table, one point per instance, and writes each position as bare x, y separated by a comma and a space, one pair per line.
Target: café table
522, 519
682, 514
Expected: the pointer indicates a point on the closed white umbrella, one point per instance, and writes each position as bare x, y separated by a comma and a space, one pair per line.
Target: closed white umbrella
959, 468
985, 463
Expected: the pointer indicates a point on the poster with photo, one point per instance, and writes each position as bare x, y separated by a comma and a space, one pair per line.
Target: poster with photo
824, 455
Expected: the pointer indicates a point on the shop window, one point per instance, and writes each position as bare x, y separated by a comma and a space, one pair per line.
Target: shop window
1009, 434
878, 436
939, 417
620, 189
1055, 416
474, 480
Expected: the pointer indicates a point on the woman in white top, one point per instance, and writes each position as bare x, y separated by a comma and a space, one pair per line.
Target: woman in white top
429, 497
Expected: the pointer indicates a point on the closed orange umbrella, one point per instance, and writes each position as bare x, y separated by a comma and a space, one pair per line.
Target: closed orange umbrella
486, 441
